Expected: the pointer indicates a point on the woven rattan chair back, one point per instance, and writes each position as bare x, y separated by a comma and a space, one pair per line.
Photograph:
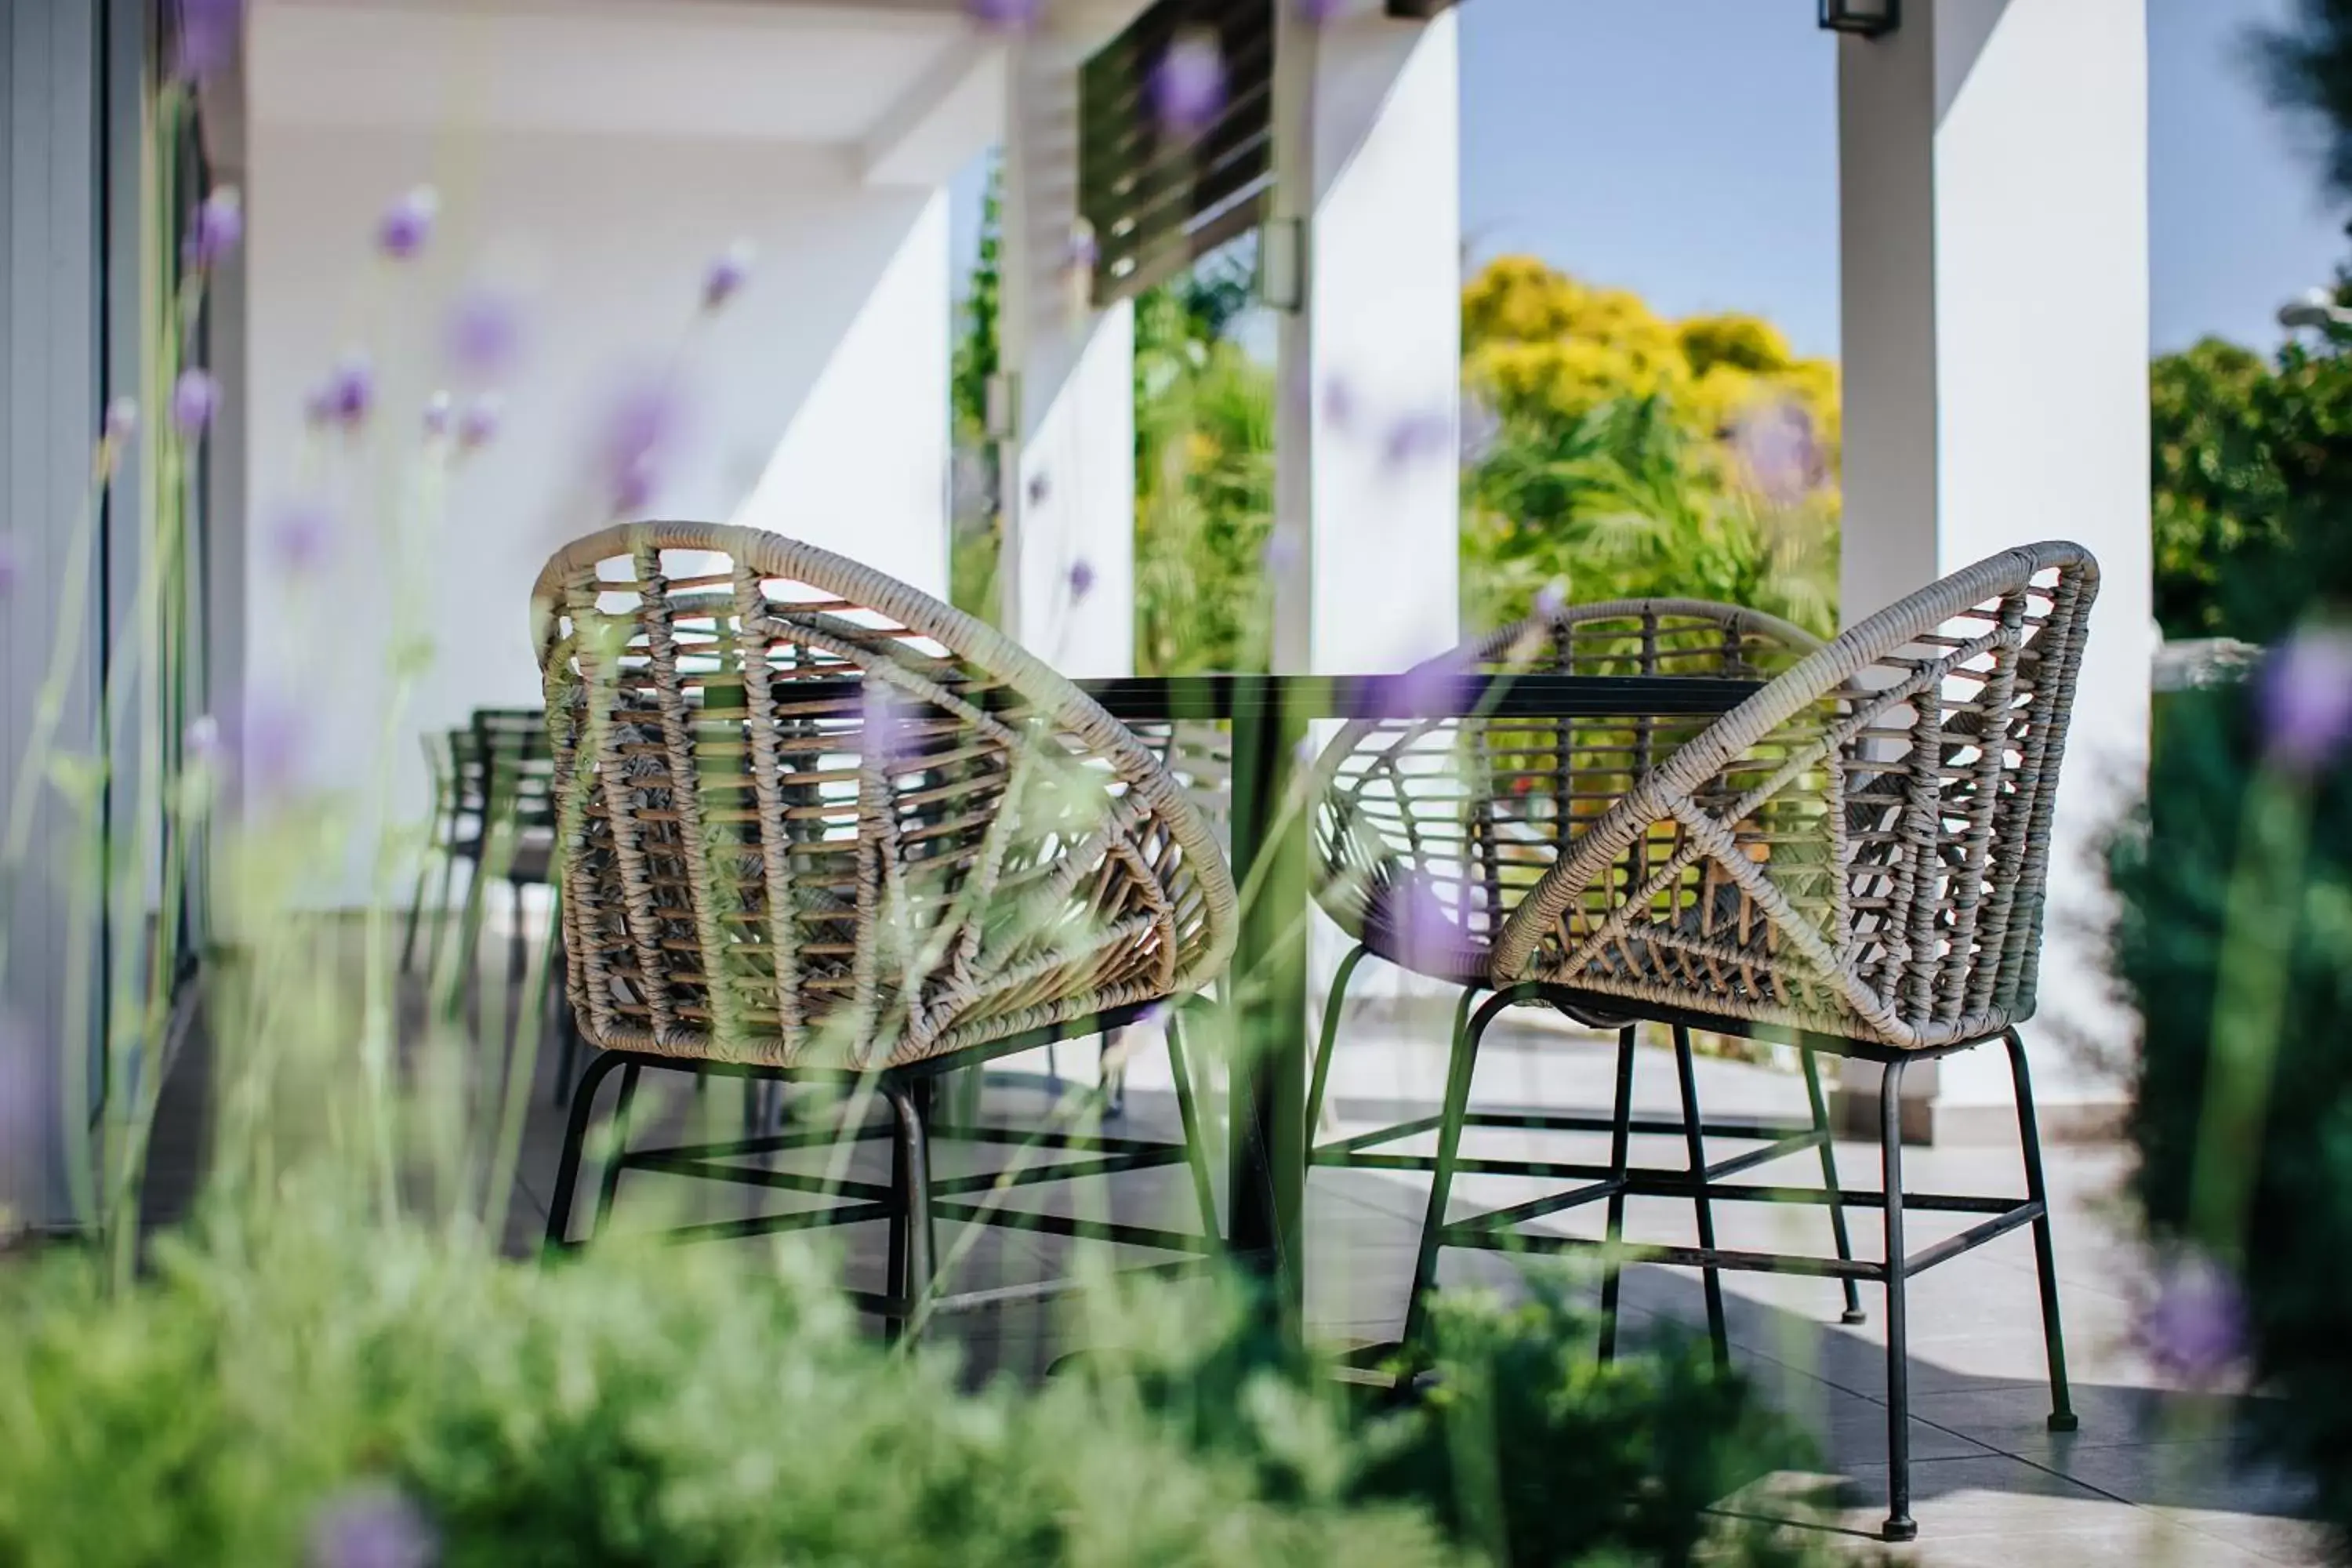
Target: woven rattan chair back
1428, 832
1858, 852
812, 816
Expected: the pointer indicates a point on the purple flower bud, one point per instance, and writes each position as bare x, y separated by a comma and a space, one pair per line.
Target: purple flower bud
1777, 448
479, 425
1321, 10
194, 396
1082, 580
201, 741
303, 538
8, 564
1339, 404
2305, 697
638, 430
484, 334
347, 396
1040, 487
1434, 688
1188, 85
211, 33
1409, 910
1420, 435
727, 275
888, 739
371, 1527
439, 410
1551, 599
1005, 16
219, 225
2194, 1325
407, 226
122, 419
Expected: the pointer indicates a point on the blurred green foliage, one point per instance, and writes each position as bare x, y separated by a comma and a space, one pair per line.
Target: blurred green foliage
2252, 486
709, 1406
1610, 454
2290, 1238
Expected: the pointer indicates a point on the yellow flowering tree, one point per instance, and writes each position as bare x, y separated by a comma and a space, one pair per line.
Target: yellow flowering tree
1634, 454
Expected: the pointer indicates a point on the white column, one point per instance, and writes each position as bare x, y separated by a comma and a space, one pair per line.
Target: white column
1068, 569
1994, 180
1367, 494
1367, 485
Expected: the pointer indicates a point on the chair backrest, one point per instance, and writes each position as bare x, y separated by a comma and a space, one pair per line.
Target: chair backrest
1461, 818
810, 815
514, 768
1862, 849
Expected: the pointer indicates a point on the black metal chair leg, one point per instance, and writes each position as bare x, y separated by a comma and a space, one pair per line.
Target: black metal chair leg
1854, 1312
910, 1203
1196, 1148
441, 911
1330, 1038
1456, 1112
609, 1187
517, 938
1899, 1525
575, 1137
1620, 1138
2046, 1257
1702, 1207
417, 900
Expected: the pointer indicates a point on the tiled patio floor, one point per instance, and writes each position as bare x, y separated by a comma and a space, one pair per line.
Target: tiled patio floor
2152, 1475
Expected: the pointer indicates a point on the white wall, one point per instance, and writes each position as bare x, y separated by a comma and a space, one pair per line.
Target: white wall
820, 395
1996, 328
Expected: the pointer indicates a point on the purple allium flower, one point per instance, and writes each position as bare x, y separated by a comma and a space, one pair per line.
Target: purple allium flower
478, 425
8, 564
194, 396
484, 334
407, 226
440, 409
122, 420
1188, 85
1005, 16
1551, 599
211, 32
268, 743
889, 737
302, 537
728, 274
347, 396
2194, 1325
371, 1527
219, 225
1778, 448
1419, 436
2305, 697
1040, 487
1082, 580
1321, 10
637, 428
1409, 909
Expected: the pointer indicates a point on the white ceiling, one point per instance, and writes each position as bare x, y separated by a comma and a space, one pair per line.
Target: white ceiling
864, 75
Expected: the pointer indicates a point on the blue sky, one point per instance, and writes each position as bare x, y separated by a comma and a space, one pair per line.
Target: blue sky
1687, 148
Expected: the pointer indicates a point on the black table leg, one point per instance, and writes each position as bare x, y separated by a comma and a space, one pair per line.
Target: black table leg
1267, 1077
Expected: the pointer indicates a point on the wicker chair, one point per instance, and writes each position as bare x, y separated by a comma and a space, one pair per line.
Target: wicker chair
1429, 833
1852, 860
815, 823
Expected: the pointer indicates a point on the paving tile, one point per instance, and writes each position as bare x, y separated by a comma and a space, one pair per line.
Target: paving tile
2015, 1419
1986, 1495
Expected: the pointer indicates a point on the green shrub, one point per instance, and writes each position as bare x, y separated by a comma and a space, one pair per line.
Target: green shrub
689, 1407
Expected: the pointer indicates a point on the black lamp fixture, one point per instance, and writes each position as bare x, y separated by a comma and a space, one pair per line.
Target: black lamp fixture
1865, 18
